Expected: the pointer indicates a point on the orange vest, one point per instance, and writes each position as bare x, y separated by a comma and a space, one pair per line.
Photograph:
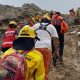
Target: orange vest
64, 27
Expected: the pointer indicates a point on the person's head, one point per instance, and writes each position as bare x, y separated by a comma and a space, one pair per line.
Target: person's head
26, 39
51, 13
45, 20
58, 13
47, 16
72, 12
20, 25
38, 16
12, 24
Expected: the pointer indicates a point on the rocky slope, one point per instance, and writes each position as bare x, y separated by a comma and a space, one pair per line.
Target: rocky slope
26, 10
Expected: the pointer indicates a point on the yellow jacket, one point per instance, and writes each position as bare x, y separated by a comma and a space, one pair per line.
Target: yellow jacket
34, 64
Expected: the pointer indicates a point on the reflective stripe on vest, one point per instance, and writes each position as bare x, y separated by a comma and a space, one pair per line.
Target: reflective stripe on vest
7, 43
9, 38
9, 32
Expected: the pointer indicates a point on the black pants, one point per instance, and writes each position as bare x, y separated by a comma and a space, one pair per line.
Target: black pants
61, 39
61, 45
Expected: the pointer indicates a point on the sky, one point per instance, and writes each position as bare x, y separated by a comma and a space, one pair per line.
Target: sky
56, 5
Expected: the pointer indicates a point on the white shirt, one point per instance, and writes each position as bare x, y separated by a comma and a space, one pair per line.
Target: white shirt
46, 41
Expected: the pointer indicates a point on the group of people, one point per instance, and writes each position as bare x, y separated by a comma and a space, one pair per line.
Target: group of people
43, 43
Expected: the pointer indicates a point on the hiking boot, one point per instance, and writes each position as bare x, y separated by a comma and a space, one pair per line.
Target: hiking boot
55, 60
61, 60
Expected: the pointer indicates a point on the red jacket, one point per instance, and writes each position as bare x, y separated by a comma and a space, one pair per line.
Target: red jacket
9, 37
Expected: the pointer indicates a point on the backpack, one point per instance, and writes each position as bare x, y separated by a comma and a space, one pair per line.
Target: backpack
13, 67
56, 21
60, 22
43, 29
64, 27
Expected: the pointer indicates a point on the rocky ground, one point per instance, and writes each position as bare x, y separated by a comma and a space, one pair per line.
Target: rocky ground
71, 68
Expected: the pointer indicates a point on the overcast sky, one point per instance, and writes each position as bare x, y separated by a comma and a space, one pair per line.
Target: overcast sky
56, 5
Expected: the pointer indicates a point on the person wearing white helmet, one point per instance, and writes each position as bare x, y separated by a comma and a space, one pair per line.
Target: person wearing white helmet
48, 36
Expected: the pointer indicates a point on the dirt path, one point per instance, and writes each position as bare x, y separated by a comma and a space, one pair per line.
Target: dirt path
71, 69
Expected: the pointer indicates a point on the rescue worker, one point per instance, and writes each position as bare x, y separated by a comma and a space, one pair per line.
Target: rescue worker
57, 21
37, 18
72, 12
10, 35
45, 45
26, 41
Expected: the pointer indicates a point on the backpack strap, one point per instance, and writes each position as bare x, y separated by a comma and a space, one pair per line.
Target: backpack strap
24, 52
45, 28
57, 21
41, 27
